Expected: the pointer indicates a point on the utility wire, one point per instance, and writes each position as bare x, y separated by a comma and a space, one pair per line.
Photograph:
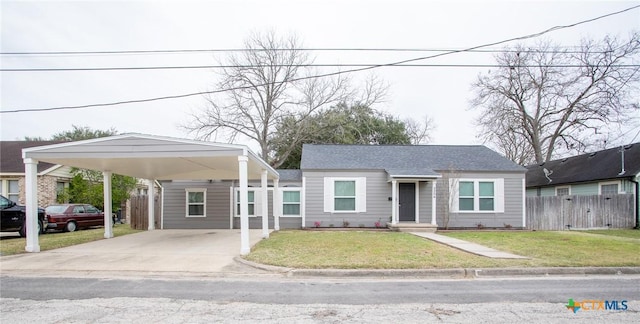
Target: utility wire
195, 67
327, 74
190, 51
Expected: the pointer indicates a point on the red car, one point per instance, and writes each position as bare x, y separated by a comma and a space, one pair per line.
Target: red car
69, 217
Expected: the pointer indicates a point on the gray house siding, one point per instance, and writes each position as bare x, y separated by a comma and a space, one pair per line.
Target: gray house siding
217, 205
255, 222
513, 203
378, 206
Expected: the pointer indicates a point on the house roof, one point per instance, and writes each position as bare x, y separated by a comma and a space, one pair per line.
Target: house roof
600, 165
405, 160
11, 155
290, 175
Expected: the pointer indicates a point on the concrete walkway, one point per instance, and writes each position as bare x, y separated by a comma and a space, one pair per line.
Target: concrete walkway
468, 246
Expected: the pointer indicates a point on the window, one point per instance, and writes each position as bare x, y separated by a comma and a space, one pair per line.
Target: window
344, 195
251, 203
290, 203
61, 196
563, 191
486, 195
482, 195
196, 203
609, 189
13, 192
466, 195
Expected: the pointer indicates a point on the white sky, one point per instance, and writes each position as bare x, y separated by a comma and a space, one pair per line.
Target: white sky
442, 93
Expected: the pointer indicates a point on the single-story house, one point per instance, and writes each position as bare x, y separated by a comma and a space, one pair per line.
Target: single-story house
359, 185
52, 178
213, 185
607, 172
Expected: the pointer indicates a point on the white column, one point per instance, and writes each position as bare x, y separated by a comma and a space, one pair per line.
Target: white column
276, 205
303, 202
265, 204
244, 205
394, 202
433, 202
108, 227
151, 196
31, 192
417, 204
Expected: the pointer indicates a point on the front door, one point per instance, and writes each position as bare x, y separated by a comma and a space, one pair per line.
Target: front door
407, 201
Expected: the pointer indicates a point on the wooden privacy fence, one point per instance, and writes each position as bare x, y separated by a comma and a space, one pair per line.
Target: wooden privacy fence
140, 212
580, 212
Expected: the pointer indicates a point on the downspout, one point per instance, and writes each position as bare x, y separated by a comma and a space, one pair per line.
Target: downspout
637, 191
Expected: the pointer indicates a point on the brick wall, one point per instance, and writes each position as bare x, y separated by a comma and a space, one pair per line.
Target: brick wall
47, 190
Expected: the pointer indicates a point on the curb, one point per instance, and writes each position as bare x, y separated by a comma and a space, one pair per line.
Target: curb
456, 273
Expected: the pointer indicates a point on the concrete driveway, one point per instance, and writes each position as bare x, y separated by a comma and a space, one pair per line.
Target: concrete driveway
179, 252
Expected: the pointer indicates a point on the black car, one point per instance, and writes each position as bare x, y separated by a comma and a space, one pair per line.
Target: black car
12, 217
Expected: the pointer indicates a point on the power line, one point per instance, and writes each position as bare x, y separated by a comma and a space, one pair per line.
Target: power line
328, 74
336, 49
195, 67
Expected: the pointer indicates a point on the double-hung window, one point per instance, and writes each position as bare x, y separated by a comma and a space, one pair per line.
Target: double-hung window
13, 190
478, 195
291, 202
345, 195
251, 198
196, 203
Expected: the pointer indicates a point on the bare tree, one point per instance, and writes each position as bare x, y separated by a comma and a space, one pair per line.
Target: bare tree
419, 131
267, 82
544, 101
447, 186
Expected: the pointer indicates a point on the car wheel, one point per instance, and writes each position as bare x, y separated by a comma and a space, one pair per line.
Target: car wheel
70, 227
23, 231
41, 229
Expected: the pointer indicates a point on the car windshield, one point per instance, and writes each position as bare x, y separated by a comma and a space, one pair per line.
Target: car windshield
56, 209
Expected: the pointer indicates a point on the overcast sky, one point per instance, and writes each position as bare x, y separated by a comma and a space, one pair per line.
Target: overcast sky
440, 92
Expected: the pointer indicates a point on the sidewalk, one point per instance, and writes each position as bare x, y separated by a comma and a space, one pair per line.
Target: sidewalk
468, 246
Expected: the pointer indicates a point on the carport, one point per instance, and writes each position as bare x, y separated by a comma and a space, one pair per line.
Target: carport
152, 158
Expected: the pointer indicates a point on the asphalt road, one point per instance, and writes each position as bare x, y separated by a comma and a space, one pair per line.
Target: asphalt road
325, 291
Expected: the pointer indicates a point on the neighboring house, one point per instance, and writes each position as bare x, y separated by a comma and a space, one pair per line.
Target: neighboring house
52, 178
607, 172
358, 185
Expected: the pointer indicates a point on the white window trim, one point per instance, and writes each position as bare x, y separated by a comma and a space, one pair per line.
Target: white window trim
361, 195
498, 196
189, 190
563, 187
281, 202
600, 184
257, 201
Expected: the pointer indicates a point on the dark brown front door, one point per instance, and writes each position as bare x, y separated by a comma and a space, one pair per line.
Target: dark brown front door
407, 202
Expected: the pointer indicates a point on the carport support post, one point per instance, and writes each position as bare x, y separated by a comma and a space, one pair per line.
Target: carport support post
244, 204
31, 192
108, 226
151, 206
276, 206
265, 204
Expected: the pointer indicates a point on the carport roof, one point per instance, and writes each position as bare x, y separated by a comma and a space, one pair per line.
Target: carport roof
154, 157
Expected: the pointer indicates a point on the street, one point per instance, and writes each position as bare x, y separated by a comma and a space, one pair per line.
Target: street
42, 299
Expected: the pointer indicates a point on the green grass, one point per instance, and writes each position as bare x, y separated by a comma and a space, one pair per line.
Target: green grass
629, 233
55, 240
391, 250
561, 249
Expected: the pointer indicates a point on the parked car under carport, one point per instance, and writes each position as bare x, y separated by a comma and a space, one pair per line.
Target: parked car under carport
70, 217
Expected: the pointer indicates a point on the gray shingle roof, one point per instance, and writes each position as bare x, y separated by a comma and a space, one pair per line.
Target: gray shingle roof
423, 158
599, 165
289, 175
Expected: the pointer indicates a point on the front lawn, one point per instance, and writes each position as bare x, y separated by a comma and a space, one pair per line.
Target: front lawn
392, 250
49, 241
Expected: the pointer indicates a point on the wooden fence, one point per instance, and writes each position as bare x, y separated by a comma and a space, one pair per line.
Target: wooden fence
580, 212
140, 212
